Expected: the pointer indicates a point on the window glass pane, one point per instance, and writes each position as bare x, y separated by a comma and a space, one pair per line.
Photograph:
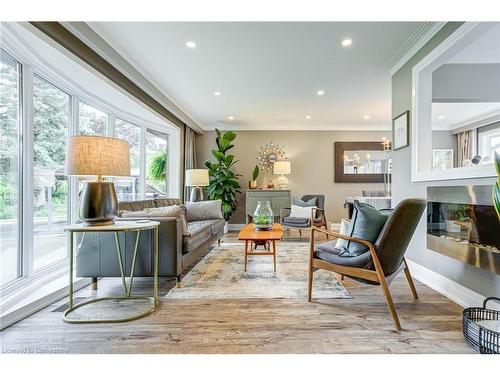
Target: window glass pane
127, 189
156, 164
91, 120
51, 116
9, 166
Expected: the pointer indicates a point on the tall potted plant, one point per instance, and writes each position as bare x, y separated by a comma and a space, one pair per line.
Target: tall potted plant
223, 183
496, 188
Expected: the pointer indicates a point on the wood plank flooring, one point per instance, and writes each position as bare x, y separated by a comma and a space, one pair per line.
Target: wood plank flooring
358, 325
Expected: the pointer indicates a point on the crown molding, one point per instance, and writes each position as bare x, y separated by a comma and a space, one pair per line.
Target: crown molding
413, 44
333, 127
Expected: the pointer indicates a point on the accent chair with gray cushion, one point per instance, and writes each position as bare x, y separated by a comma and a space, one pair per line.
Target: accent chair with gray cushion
184, 233
317, 219
383, 257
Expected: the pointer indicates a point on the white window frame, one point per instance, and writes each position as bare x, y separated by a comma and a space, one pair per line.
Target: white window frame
421, 148
30, 280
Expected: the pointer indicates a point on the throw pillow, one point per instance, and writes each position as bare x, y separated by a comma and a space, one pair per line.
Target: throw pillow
366, 224
204, 210
344, 229
310, 203
302, 212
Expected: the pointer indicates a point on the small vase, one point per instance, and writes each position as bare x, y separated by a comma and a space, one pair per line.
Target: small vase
253, 184
263, 217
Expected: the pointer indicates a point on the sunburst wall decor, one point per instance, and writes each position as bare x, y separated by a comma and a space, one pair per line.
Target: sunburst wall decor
269, 154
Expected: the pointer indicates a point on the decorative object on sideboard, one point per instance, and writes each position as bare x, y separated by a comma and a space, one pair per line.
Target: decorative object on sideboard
361, 162
223, 183
269, 154
282, 167
255, 174
401, 131
263, 217
101, 157
197, 179
496, 188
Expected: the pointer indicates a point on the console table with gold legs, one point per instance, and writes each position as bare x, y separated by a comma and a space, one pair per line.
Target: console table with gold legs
117, 227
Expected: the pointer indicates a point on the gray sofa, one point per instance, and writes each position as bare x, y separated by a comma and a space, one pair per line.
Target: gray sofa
96, 252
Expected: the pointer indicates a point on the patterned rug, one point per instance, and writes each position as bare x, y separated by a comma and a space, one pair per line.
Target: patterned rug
220, 275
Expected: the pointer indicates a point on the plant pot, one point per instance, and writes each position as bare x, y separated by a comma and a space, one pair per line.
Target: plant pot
451, 227
226, 227
253, 184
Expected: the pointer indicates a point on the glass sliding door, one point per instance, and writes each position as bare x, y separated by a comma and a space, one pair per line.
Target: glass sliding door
127, 189
10, 168
156, 163
51, 119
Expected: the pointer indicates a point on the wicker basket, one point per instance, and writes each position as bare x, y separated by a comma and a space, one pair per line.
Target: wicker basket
485, 340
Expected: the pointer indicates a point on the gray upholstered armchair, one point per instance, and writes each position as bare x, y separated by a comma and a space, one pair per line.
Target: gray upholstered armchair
383, 260
318, 218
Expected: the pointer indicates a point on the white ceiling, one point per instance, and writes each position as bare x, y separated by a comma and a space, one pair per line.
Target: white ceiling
268, 73
483, 50
446, 116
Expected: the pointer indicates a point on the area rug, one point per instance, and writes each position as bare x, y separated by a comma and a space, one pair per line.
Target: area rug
220, 275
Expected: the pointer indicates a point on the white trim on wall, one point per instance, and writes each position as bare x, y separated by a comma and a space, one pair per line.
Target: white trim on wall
421, 161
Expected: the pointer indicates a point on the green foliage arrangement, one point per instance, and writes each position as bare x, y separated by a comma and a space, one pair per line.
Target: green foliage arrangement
255, 173
157, 170
262, 219
496, 188
223, 181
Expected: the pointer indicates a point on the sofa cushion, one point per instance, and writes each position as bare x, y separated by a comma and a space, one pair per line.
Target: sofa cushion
136, 205
178, 212
204, 210
199, 232
162, 202
366, 224
299, 202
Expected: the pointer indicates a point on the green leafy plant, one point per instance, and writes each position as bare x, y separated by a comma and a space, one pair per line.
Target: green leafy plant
157, 170
262, 218
223, 181
255, 173
496, 188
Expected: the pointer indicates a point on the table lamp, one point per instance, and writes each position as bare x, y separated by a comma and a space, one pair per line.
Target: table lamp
97, 156
196, 178
282, 167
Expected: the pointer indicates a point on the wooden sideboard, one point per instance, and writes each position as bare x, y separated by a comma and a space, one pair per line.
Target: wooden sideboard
278, 199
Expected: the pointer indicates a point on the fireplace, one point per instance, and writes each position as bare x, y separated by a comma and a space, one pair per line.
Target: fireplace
462, 223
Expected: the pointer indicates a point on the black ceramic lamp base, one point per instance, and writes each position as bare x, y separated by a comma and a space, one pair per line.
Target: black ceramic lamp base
98, 203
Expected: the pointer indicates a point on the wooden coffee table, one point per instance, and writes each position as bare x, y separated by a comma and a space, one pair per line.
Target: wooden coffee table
267, 237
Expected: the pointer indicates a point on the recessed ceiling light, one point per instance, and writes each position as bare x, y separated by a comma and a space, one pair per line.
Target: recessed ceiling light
217, 93
346, 42
366, 117
308, 117
321, 92
442, 117
230, 118
190, 44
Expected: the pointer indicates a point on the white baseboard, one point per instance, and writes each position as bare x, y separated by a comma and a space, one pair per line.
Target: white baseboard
465, 297
235, 226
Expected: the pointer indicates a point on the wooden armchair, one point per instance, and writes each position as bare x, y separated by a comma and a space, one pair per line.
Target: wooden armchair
384, 258
318, 216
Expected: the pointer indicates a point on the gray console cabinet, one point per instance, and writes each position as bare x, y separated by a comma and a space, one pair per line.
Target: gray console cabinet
278, 199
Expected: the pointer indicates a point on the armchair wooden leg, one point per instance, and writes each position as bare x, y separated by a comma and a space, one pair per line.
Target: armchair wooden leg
309, 281
390, 303
410, 280
300, 232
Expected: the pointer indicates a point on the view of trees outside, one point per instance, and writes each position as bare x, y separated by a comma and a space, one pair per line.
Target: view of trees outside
51, 117
156, 152
92, 121
9, 165
127, 189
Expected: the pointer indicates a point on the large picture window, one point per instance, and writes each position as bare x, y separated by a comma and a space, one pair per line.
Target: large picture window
156, 162
10, 160
51, 118
91, 120
127, 189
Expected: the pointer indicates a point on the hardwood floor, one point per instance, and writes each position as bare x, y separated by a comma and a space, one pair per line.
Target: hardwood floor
362, 324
